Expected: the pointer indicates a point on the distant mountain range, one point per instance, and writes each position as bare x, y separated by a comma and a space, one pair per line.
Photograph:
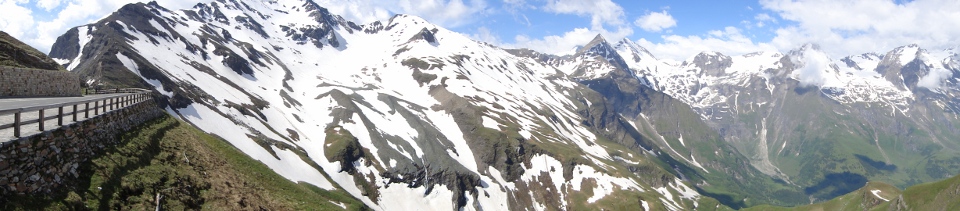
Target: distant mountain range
404, 113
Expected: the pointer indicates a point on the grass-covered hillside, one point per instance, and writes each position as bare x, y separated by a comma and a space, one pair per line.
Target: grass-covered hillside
941, 195
18, 54
170, 161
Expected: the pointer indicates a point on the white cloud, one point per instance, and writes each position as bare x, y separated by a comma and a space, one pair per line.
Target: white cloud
516, 4
447, 13
763, 18
656, 21
854, 27
729, 41
361, 11
484, 35
601, 12
812, 72
16, 19
934, 79
48, 4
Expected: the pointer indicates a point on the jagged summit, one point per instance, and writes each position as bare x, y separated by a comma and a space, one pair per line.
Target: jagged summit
597, 44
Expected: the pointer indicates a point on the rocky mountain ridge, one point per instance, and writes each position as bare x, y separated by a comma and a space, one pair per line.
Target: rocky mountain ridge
405, 113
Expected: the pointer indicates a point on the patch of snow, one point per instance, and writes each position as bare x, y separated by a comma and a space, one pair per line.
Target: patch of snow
499, 178
401, 197
445, 123
132, 67
84, 37
875, 193
667, 199
490, 123
61, 61
341, 205
289, 164
907, 54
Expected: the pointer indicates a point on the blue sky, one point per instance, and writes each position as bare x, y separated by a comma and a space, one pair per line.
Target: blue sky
669, 29
692, 17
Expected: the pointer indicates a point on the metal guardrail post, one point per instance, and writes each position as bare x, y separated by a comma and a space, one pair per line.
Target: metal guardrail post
74, 112
96, 108
16, 124
104, 106
86, 110
41, 119
60, 116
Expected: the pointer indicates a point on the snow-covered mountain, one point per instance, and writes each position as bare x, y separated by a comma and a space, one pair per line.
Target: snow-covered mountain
400, 113
861, 113
404, 113
802, 116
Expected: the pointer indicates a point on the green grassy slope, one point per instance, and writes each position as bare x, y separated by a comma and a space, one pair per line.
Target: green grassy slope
861, 199
941, 195
187, 169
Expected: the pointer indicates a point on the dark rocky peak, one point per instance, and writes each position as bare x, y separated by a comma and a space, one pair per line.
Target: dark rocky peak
850, 63
902, 55
67, 45
326, 33
902, 67
155, 5
211, 12
710, 63
598, 47
323, 16
137, 17
373, 28
234, 5
428, 35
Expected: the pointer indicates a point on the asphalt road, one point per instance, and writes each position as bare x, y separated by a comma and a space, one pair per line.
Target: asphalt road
31, 129
11, 103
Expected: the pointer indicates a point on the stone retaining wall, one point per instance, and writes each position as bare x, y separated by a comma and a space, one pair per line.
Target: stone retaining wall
45, 162
26, 82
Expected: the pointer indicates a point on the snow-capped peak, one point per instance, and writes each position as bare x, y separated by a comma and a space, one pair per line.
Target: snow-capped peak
630, 50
